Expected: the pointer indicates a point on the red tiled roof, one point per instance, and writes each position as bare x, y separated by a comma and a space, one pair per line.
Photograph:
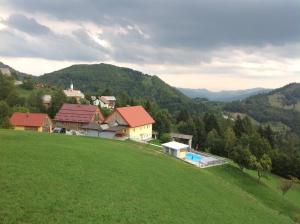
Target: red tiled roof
27, 119
76, 113
135, 116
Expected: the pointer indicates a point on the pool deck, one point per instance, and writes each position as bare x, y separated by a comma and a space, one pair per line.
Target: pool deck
217, 160
207, 160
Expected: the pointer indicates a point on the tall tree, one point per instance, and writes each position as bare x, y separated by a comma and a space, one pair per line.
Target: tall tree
106, 92
6, 87
211, 122
183, 115
58, 98
163, 122
230, 140
242, 156
4, 112
267, 133
28, 83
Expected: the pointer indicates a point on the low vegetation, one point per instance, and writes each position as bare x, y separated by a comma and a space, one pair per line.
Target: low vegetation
71, 179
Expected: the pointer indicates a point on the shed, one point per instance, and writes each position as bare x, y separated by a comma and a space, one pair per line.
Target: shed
92, 129
179, 136
176, 149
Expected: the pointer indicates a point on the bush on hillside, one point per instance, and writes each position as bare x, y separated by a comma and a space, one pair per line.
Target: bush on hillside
165, 137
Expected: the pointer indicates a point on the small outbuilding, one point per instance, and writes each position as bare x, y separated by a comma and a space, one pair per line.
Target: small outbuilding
176, 149
31, 122
92, 129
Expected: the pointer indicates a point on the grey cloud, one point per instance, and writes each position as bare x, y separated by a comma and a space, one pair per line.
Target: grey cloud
77, 46
177, 23
170, 31
27, 25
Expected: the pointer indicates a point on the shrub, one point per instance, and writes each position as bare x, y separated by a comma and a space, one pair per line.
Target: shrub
165, 137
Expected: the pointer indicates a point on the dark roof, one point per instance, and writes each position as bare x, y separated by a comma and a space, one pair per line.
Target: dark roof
76, 113
116, 128
182, 136
92, 126
28, 119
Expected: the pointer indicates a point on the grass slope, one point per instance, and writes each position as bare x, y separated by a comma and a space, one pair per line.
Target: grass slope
65, 179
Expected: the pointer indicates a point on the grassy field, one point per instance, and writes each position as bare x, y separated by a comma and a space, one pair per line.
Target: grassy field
26, 93
69, 179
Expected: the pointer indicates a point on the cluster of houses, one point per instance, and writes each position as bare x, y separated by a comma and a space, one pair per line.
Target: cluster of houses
131, 122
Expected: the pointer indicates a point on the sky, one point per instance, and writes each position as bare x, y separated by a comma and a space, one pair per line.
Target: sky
213, 44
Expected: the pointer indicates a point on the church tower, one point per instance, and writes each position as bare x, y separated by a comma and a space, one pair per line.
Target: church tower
71, 86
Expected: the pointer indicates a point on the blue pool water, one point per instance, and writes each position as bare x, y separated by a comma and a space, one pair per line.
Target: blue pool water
193, 156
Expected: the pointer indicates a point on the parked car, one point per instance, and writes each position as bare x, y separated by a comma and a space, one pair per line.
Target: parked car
59, 130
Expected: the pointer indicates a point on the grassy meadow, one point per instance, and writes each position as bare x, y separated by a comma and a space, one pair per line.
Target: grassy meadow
48, 178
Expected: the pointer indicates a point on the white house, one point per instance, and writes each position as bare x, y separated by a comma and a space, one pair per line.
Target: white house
107, 101
46, 100
133, 122
176, 149
95, 101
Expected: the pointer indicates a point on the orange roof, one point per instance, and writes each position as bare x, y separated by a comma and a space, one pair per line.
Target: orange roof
135, 116
28, 119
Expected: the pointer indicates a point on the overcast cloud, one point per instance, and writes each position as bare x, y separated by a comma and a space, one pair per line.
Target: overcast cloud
237, 39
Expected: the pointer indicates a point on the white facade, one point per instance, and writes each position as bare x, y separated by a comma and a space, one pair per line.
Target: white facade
71, 92
107, 102
176, 149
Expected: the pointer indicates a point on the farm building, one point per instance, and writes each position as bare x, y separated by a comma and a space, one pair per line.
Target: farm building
31, 122
74, 116
132, 121
107, 101
94, 129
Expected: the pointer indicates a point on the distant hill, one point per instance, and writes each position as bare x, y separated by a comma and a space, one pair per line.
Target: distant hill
222, 96
11, 71
280, 105
96, 78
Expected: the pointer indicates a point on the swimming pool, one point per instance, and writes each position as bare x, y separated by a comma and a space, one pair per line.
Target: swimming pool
193, 156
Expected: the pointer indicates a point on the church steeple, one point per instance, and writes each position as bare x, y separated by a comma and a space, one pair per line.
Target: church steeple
71, 86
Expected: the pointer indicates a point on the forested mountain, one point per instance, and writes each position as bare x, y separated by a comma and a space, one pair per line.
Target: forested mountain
96, 78
222, 96
280, 105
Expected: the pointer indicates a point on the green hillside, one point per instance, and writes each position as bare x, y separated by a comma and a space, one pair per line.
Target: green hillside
69, 179
280, 105
16, 74
96, 78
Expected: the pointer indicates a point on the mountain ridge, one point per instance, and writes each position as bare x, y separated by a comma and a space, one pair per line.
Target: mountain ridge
15, 73
279, 105
223, 95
